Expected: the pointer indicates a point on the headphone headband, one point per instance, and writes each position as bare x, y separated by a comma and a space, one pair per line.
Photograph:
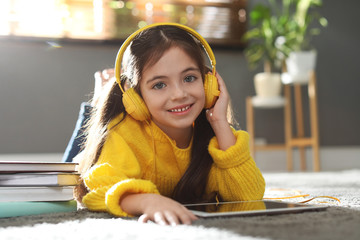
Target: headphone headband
127, 42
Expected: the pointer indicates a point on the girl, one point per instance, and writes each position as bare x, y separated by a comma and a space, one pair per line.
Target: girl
182, 154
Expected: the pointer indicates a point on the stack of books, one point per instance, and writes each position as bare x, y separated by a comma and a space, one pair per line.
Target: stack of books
30, 188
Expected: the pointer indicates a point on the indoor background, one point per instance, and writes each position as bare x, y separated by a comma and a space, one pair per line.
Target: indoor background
43, 82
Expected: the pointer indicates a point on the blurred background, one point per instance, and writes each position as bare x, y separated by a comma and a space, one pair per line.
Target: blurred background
50, 50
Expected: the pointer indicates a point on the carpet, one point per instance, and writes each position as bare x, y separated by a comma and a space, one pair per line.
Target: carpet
339, 221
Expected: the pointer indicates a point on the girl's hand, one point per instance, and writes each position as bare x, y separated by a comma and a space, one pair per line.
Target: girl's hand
159, 209
219, 111
217, 117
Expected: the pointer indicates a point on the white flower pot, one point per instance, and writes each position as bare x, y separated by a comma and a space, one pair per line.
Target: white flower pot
299, 66
267, 85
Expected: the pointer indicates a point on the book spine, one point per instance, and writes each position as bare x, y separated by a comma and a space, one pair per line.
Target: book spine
19, 194
15, 209
38, 179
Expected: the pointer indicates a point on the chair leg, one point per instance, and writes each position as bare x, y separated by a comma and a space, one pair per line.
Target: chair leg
288, 127
300, 124
314, 121
250, 125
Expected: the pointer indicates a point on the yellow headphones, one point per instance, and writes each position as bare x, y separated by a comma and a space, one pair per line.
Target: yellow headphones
135, 105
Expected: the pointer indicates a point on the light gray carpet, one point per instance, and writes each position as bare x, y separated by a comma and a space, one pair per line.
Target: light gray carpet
339, 221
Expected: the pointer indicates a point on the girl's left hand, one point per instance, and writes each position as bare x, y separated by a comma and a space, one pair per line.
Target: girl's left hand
218, 112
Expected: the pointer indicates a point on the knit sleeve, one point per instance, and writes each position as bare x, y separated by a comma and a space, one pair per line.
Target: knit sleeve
116, 173
234, 174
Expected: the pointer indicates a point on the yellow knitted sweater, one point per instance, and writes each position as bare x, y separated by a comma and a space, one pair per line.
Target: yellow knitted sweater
127, 165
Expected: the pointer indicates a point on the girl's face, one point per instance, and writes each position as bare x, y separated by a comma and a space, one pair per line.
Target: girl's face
173, 91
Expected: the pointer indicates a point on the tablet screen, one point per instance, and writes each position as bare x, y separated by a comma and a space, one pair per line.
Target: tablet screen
249, 208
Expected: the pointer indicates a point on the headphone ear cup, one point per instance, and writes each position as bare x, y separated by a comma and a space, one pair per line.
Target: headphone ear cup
135, 105
211, 88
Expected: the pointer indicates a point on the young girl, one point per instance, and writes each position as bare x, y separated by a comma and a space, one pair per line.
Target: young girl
182, 154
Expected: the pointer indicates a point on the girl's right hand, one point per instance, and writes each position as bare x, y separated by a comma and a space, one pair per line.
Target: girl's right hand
159, 209
165, 211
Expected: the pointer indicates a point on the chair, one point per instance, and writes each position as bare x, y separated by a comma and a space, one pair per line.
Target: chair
298, 140
261, 103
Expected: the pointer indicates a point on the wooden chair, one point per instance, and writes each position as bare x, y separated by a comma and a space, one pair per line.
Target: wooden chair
291, 141
299, 140
261, 103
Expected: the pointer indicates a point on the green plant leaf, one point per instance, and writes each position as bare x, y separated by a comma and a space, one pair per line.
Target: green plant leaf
291, 21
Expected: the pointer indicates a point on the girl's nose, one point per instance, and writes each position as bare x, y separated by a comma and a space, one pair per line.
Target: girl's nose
179, 91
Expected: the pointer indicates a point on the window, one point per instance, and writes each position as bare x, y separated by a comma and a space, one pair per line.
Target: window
221, 22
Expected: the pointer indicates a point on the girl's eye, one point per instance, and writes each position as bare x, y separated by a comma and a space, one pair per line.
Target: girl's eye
190, 78
159, 85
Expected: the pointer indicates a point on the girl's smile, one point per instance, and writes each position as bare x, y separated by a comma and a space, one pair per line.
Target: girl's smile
173, 91
181, 109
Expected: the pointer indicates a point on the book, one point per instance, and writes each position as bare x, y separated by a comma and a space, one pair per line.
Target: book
39, 179
15, 209
30, 188
16, 167
16, 194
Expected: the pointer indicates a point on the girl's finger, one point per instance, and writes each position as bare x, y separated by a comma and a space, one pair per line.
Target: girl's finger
187, 217
222, 86
160, 219
171, 218
144, 218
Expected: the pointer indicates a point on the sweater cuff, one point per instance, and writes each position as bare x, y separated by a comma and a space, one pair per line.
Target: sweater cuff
234, 155
114, 194
94, 200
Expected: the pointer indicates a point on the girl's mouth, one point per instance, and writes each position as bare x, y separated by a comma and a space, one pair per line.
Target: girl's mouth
180, 109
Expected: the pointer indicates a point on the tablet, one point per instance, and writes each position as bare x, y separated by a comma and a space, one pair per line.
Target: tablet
249, 208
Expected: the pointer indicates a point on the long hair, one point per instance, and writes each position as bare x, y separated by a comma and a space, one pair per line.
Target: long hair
145, 50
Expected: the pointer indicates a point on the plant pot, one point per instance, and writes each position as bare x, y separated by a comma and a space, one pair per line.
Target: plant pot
299, 66
267, 85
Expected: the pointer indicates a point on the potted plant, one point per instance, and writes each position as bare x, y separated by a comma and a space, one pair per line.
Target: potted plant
268, 25
301, 56
279, 33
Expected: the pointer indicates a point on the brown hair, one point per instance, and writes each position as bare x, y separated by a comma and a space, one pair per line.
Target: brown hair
145, 50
